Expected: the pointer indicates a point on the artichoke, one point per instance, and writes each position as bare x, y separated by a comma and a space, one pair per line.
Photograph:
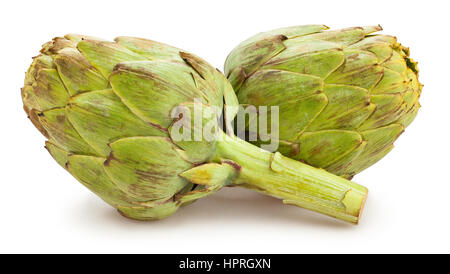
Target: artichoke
344, 96
111, 113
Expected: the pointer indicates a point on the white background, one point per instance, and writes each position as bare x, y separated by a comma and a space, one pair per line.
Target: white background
44, 209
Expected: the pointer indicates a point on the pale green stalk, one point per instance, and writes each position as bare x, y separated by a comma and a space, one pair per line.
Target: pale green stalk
292, 181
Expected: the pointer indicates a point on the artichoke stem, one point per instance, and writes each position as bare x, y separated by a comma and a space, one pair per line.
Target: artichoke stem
294, 182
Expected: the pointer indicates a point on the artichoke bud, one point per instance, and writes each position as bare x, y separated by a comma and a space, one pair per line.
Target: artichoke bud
344, 96
113, 116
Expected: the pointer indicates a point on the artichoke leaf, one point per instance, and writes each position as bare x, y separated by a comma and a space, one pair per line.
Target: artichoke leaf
100, 118
266, 86
319, 64
389, 108
288, 32
142, 213
194, 130
348, 107
48, 90
391, 82
77, 73
63, 133
59, 154
104, 56
146, 168
149, 49
344, 37
365, 78
378, 139
90, 172
151, 89
322, 148
360, 163
250, 57
210, 178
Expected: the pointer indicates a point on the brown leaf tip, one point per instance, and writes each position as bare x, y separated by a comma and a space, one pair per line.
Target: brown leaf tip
233, 164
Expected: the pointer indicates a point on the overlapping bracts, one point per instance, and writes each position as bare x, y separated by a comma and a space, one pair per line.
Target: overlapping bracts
344, 96
105, 110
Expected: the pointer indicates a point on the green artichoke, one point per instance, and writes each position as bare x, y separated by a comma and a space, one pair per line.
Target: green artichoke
107, 110
344, 96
